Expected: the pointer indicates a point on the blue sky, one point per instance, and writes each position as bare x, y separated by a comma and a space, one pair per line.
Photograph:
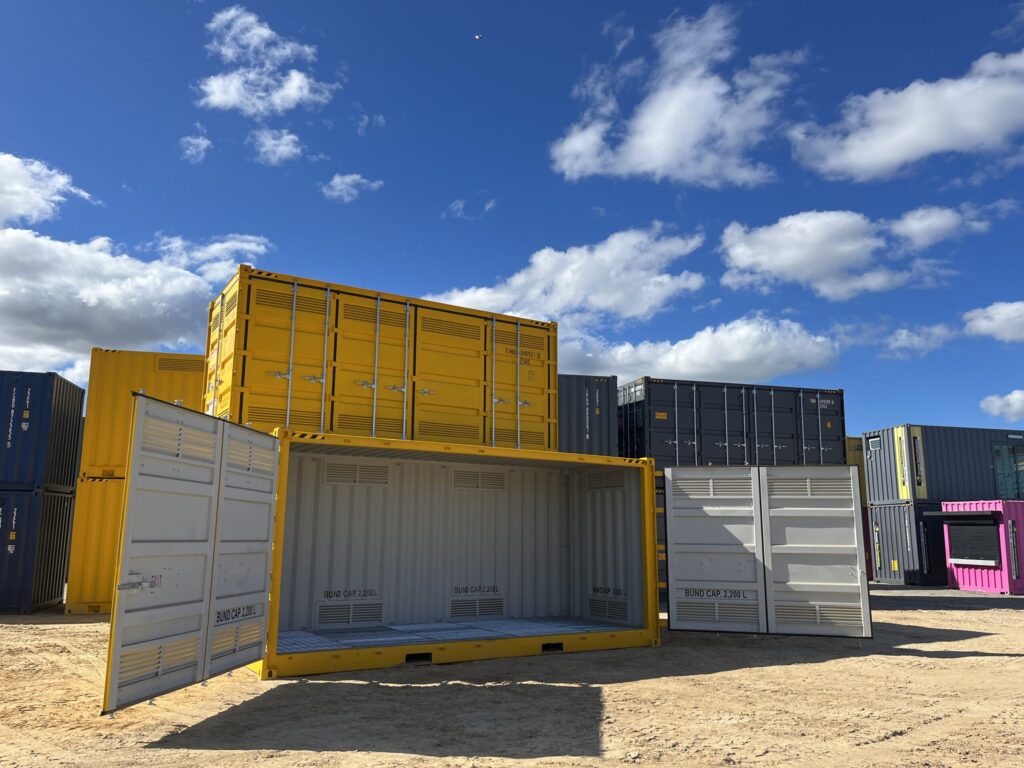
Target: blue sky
821, 195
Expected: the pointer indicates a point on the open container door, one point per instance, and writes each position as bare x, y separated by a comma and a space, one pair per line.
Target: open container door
193, 580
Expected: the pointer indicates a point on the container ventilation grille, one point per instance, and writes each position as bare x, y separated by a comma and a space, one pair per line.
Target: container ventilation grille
710, 487
606, 479
158, 660
363, 425
612, 610
483, 480
526, 437
706, 611
442, 430
475, 607
309, 419
508, 338
280, 300
337, 614
251, 458
369, 315
450, 328
237, 637
808, 487
832, 615
343, 473
231, 303
179, 364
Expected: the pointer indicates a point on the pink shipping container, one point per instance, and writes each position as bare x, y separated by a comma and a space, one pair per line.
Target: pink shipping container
983, 545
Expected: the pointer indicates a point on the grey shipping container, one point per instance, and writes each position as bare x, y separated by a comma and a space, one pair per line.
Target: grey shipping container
907, 544
41, 432
588, 420
935, 464
36, 531
699, 423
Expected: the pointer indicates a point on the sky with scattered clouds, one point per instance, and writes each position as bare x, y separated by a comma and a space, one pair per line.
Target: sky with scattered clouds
816, 195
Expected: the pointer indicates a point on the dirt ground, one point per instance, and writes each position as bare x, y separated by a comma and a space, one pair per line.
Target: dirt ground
940, 684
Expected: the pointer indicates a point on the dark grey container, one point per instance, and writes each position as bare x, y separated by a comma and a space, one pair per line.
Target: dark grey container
907, 545
588, 420
927, 463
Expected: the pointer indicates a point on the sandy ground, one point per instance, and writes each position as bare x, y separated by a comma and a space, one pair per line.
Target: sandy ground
941, 684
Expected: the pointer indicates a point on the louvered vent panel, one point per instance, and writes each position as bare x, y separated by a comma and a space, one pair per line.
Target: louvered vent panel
471, 608
834, 486
337, 614
344, 473
605, 479
731, 486
442, 430
692, 487
180, 364
492, 481
737, 613
366, 314
450, 328
373, 474
197, 444
360, 425
490, 606
472, 480
796, 614
526, 437
225, 413
308, 419
695, 611
367, 613
612, 610
159, 660
788, 487
463, 609
842, 615
224, 641
231, 303
526, 341
281, 300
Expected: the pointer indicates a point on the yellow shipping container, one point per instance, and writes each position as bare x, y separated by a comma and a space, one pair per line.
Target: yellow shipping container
113, 375
285, 351
855, 457
95, 537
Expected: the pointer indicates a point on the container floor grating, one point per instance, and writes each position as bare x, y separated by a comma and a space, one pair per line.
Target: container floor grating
303, 641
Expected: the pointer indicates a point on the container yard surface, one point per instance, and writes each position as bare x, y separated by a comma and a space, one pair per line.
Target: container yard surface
941, 684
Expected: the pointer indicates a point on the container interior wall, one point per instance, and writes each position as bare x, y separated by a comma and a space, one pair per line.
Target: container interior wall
588, 419
374, 542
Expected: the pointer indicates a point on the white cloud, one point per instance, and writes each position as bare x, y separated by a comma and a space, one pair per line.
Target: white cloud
215, 260
274, 147
693, 125
364, 121
59, 299
1003, 320
346, 187
194, 148
625, 276
837, 253
457, 210
1009, 407
750, 348
905, 343
887, 131
620, 34
259, 85
32, 191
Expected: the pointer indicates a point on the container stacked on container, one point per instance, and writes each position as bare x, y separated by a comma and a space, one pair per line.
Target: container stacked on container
911, 470
39, 447
114, 375
697, 423
319, 357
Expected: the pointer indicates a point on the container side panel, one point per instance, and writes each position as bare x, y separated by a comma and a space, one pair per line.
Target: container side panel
34, 527
95, 539
51, 560
715, 574
880, 462
65, 439
523, 376
40, 422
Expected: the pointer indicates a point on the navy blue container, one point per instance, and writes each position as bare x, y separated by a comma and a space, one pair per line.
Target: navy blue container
36, 533
40, 432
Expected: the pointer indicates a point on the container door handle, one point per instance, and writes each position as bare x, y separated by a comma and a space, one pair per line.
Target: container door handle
365, 384
313, 379
525, 403
280, 374
395, 388
424, 392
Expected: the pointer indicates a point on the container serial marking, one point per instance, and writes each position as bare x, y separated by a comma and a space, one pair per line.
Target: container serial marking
238, 612
475, 589
661, 415
350, 593
716, 594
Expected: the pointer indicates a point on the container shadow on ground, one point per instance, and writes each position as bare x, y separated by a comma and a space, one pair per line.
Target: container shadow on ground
52, 616
524, 708
895, 598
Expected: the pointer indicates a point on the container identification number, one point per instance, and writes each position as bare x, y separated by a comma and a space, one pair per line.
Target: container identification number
336, 594
716, 594
238, 612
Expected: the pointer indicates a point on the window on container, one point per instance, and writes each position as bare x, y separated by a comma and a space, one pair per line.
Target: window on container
874, 443
1009, 467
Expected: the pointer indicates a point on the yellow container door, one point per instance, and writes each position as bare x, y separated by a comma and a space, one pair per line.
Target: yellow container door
94, 545
449, 401
285, 379
521, 387
373, 363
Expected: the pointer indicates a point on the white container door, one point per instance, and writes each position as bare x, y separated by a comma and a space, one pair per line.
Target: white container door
193, 583
715, 574
814, 551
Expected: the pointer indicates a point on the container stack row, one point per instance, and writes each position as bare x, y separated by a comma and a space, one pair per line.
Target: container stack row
39, 448
96, 530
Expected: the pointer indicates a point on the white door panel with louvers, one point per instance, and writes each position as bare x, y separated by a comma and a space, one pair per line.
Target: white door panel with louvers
813, 555
715, 576
195, 557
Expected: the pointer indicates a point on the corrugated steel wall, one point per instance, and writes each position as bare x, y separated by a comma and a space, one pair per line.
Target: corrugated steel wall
935, 463
40, 429
95, 538
35, 528
907, 546
420, 541
588, 420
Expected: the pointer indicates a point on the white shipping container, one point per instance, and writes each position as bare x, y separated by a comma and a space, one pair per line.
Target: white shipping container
766, 549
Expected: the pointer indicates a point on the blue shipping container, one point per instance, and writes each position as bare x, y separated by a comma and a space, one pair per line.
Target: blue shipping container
36, 533
40, 431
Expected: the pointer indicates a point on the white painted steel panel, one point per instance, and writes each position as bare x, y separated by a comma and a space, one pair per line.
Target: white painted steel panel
715, 574
814, 551
195, 553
